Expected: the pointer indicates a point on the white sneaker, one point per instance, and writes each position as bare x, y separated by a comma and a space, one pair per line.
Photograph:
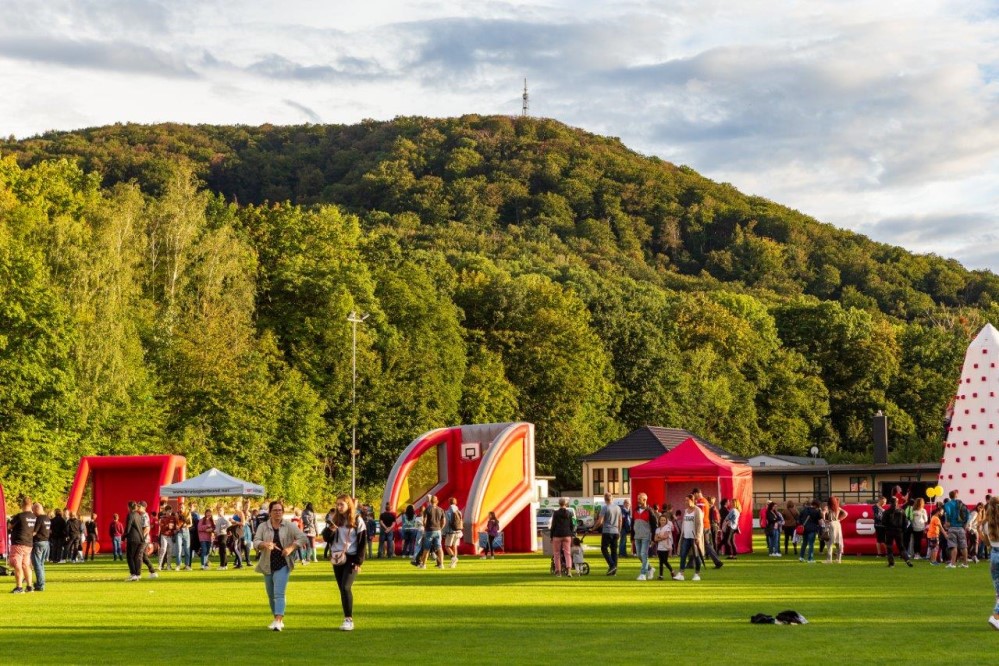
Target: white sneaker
951, 566
678, 576
153, 575
696, 577
641, 577
223, 569
993, 622
482, 557
454, 562
131, 579
348, 625
778, 554
273, 626
964, 566
421, 566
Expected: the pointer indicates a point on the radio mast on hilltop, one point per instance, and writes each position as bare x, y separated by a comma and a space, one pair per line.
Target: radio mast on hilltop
526, 105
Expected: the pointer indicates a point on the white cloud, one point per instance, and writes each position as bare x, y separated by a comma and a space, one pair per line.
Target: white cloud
880, 117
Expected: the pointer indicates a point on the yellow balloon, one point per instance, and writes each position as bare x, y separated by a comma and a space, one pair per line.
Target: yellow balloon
939, 491
931, 492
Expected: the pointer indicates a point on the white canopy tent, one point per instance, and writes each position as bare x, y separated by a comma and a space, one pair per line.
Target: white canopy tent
212, 483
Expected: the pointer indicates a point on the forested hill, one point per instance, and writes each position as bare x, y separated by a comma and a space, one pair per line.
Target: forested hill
186, 288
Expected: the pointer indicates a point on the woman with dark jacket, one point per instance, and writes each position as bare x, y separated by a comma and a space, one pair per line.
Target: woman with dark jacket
562, 534
347, 537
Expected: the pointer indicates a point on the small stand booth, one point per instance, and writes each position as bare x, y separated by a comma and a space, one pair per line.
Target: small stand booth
669, 479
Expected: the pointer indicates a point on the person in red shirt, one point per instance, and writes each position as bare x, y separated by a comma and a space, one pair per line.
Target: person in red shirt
701, 502
167, 528
116, 530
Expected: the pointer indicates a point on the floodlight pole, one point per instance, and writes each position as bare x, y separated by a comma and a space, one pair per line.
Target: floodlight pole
354, 319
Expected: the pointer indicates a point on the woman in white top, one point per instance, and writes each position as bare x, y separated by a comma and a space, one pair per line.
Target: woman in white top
971, 528
919, 519
347, 548
835, 515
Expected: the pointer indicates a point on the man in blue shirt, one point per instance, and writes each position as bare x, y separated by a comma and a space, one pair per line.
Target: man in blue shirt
957, 537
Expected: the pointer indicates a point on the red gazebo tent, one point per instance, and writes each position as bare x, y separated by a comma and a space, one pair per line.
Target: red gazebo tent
669, 479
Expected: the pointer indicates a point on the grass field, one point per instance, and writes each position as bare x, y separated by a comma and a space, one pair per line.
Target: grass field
509, 610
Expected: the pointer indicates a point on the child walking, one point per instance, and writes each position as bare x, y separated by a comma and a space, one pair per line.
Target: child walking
664, 544
933, 530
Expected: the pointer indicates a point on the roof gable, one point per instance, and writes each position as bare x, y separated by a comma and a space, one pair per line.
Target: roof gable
650, 442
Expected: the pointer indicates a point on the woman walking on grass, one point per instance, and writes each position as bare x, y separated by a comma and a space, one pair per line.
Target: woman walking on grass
276, 539
836, 514
990, 527
347, 548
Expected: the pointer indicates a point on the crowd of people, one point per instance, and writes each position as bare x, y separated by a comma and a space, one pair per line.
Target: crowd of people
951, 534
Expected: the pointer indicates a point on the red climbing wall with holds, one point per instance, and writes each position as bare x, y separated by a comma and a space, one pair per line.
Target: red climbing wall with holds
970, 462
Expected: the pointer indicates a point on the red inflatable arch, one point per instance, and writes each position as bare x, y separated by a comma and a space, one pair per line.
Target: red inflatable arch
119, 479
486, 467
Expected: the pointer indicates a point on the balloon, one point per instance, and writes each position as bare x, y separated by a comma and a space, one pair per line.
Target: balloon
939, 491
931, 492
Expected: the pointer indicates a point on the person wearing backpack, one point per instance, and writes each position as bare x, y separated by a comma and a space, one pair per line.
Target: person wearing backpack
894, 521
454, 526
957, 538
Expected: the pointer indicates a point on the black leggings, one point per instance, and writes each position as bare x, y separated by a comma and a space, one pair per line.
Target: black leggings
345, 575
223, 550
664, 562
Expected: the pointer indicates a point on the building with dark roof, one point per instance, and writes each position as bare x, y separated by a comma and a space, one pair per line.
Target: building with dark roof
606, 470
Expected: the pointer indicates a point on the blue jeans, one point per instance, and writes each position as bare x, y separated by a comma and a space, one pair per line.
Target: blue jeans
808, 544
182, 546
622, 550
387, 544
686, 545
994, 570
116, 548
275, 584
642, 546
773, 540
408, 540
39, 553
206, 550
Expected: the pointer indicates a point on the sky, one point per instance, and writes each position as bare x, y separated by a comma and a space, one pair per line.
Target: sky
880, 117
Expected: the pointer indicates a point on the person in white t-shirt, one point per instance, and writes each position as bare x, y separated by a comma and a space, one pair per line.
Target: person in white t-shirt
691, 538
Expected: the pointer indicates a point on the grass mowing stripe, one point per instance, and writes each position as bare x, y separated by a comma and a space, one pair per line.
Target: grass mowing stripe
508, 610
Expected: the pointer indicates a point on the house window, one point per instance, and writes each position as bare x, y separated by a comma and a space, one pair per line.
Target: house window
820, 488
858, 484
612, 486
625, 482
598, 482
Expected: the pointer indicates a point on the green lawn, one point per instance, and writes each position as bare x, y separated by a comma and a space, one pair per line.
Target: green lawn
509, 610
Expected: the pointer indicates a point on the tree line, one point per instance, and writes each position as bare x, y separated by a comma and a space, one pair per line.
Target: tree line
186, 289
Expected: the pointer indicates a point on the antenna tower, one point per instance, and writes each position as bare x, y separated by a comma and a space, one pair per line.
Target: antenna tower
526, 105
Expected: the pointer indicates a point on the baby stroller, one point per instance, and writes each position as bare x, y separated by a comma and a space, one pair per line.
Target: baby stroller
580, 566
